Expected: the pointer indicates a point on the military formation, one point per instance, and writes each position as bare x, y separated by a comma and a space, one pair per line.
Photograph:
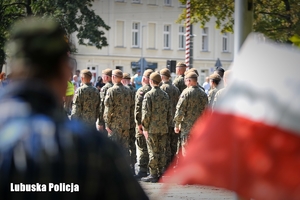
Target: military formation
152, 124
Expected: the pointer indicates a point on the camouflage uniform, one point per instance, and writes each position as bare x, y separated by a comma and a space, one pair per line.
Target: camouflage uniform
86, 104
143, 156
132, 147
118, 102
211, 96
103, 92
173, 94
190, 106
156, 116
179, 83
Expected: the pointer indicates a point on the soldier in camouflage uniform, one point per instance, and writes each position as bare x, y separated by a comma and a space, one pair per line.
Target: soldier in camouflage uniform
173, 94
86, 101
190, 106
132, 147
118, 101
196, 71
106, 77
179, 80
156, 116
214, 81
143, 156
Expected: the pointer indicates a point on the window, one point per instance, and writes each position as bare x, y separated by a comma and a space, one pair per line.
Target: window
182, 5
225, 42
204, 39
151, 35
167, 2
181, 37
167, 36
120, 34
119, 0
135, 34
136, 1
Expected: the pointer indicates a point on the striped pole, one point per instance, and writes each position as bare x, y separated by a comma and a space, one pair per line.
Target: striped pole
187, 34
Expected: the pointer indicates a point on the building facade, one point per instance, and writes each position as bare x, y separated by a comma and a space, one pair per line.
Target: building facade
148, 29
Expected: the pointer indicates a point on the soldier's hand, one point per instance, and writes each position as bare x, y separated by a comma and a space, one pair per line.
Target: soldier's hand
109, 131
146, 134
177, 130
140, 129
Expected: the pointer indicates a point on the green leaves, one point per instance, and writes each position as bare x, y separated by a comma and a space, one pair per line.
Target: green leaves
76, 16
277, 19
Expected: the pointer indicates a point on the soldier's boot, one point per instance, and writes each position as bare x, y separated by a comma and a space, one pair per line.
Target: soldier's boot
150, 178
140, 175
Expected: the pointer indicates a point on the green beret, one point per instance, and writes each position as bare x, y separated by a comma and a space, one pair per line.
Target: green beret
191, 75
165, 72
86, 72
126, 76
147, 73
107, 72
117, 73
155, 77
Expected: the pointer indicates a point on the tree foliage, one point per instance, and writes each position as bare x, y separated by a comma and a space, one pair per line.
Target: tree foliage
277, 19
75, 16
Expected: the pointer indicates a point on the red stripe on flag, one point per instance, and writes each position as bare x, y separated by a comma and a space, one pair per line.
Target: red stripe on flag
254, 159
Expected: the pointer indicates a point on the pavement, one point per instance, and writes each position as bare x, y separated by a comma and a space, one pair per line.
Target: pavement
156, 191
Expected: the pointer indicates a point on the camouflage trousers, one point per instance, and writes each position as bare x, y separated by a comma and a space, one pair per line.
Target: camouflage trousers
132, 147
172, 145
157, 148
121, 137
142, 152
182, 142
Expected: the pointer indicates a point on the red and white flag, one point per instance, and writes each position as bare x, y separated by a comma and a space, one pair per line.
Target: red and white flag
251, 142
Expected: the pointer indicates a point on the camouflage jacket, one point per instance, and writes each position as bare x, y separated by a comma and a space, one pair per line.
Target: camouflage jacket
118, 101
102, 97
133, 91
156, 111
173, 93
138, 103
190, 106
86, 104
179, 83
211, 96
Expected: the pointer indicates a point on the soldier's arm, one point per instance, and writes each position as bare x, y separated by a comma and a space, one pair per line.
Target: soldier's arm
146, 112
98, 106
108, 109
138, 107
180, 110
101, 106
76, 106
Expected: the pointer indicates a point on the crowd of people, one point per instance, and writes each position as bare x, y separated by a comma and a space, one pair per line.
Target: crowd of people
148, 116
151, 120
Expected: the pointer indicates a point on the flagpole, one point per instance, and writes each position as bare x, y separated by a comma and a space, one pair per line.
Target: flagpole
188, 33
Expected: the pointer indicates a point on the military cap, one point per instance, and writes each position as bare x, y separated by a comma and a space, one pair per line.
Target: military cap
215, 77
191, 70
180, 64
191, 75
155, 77
126, 76
87, 72
147, 72
165, 72
107, 72
117, 73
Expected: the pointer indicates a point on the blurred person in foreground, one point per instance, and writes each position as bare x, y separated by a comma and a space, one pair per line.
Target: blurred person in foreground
41, 146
